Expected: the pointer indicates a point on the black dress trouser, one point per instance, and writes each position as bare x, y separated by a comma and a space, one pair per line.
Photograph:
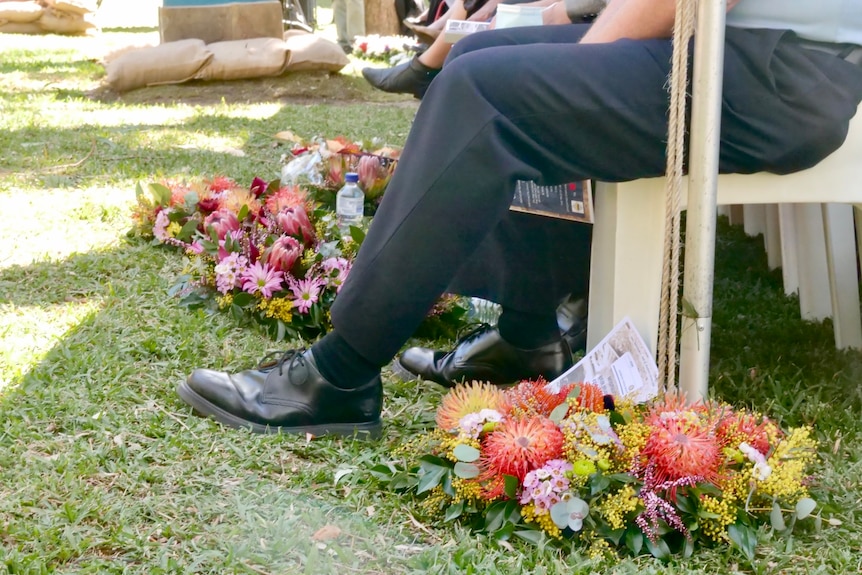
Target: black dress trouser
533, 104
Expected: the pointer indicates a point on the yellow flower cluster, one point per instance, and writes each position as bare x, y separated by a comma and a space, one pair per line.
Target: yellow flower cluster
224, 301
736, 486
542, 519
615, 507
173, 229
716, 527
599, 549
277, 307
789, 462
466, 490
436, 501
634, 437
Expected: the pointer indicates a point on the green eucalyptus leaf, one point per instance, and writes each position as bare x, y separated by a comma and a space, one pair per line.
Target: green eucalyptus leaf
559, 413
776, 518
466, 470
804, 507
598, 483
466, 453
243, 213
575, 392
139, 191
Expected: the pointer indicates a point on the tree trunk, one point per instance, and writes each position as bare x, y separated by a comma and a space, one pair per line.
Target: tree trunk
381, 18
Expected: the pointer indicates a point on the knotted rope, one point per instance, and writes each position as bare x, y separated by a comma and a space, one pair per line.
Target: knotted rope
678, 87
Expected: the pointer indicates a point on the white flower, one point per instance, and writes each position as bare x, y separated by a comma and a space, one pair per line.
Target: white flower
762, 470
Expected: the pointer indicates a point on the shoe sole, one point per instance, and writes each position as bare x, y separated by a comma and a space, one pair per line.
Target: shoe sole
372, 430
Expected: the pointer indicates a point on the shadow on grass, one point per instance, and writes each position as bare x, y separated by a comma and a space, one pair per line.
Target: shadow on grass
102, 468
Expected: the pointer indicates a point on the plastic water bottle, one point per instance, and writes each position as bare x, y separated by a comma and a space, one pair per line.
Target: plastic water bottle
349, 203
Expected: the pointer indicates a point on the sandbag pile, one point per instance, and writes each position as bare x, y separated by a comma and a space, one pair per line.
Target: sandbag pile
192, 59
73, 17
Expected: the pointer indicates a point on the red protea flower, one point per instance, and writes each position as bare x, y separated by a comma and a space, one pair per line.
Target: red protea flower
209, 204
223, 221
591, 397
518, 446
294, 222
682, 444
469, 398
283, 253
532, 397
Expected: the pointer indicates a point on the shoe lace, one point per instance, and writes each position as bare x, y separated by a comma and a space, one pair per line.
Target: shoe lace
277, 359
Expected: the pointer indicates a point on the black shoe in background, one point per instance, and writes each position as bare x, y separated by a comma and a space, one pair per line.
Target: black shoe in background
411, 77
483, 355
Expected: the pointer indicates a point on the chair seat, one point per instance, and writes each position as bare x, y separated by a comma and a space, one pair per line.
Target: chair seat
628, 239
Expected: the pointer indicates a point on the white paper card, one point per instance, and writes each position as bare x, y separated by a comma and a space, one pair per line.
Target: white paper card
621, 364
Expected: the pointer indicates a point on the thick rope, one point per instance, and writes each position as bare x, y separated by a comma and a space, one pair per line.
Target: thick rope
667, 336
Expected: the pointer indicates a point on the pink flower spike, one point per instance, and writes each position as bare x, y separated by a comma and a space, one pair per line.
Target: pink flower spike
307, 292
262, 279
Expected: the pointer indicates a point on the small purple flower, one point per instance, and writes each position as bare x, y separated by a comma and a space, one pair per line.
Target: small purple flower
306, 292
229, 271
262, 279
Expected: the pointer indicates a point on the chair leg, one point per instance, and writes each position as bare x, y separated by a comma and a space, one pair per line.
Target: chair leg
815, 301
789, 256
625, 276
772, 237
843, 275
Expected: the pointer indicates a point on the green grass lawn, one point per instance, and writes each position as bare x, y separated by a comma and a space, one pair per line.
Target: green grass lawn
104, 470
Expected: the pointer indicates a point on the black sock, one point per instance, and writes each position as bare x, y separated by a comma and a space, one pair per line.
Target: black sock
342, 365
527, 330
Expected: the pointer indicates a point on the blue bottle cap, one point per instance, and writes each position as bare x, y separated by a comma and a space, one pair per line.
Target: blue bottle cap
352, 177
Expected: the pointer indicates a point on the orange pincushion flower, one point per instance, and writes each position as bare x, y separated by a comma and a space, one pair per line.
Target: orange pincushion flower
518, 446
221, 184
736, 428
287, 197
235, 198
682, 444
591, 397
466, 399
532, 397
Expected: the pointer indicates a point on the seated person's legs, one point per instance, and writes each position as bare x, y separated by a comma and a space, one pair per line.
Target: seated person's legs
451, 191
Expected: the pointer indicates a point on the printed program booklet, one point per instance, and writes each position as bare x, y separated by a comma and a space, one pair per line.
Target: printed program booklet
573, 201
621, 364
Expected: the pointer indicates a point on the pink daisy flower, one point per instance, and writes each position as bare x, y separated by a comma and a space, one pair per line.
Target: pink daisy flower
262, 279
306, 291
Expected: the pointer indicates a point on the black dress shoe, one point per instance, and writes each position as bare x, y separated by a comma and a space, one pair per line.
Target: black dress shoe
287, 395
482, 355
411, 77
